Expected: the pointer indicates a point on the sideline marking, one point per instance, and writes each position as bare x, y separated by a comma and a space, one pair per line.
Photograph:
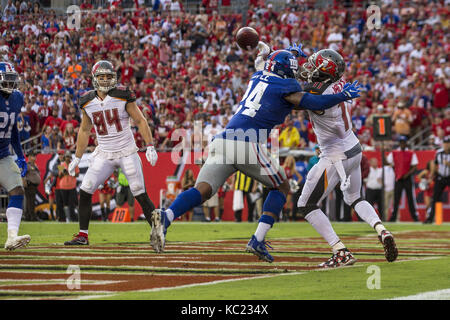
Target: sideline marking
429, 295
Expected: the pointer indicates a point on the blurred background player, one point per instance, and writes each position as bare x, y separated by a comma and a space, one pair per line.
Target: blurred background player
441, 173
123, 193
106, 192
109, 108
270, 96
11, 102
339, 161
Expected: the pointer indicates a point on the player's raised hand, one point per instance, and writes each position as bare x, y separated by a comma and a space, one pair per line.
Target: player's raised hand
352, 90
73, 165
263, 49
298, 49
151, 154
22, 164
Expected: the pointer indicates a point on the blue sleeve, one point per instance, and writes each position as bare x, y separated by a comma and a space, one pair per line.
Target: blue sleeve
15, 141
321, 102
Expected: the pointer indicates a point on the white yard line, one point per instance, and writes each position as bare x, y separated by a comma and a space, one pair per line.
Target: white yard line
429, 295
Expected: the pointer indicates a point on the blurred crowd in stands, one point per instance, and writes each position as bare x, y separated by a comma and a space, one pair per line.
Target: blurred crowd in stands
185, 66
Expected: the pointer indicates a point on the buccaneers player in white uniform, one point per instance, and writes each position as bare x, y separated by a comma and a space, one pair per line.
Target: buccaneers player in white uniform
109, 108
339, 161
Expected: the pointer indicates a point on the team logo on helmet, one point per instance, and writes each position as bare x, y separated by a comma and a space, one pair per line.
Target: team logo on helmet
282, 63
324, 65
9, 78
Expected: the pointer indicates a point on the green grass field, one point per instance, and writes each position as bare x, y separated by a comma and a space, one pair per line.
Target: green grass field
206, 261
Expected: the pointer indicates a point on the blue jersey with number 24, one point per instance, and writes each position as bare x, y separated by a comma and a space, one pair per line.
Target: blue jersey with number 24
263, 105
9, 111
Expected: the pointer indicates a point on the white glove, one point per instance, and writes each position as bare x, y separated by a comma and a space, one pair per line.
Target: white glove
263, 49
72, 166
151, 155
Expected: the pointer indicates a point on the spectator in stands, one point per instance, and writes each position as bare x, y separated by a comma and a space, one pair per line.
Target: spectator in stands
290, 137
402, 119
56, 139
45, 140
69, 137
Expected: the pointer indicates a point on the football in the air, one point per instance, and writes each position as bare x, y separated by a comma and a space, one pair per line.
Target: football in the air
247, 38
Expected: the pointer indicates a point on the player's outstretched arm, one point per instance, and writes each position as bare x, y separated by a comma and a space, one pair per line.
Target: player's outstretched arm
82, 142
143, 128
304, 100
263, 52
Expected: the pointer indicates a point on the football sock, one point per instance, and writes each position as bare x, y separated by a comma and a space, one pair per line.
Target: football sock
338, 246
366, 212
265, 223
14, 212
169, 215
322, 224
146, 205
14, 216
85, 209
379, 228
185, 201
83, 233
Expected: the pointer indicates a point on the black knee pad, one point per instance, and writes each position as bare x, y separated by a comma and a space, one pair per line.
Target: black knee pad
304, 211
356, 202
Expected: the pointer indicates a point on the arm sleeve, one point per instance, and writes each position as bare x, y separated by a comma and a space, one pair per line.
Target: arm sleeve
321, 102
259, 63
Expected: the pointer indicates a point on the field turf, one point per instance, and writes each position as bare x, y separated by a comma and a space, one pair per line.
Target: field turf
206, 261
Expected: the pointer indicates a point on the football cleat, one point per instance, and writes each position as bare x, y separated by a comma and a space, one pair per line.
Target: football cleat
17, 242
390, 248
259, 249
342, 257
159, 230
78, 240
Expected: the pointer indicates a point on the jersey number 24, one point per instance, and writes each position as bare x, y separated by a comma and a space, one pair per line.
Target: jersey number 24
252, 97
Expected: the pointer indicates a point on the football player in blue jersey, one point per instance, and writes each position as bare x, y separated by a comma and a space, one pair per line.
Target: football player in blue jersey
271, 95
11, 102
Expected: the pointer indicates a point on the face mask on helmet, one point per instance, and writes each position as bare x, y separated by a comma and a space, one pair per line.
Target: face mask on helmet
104, 81
104, 77
321, 69
9, 80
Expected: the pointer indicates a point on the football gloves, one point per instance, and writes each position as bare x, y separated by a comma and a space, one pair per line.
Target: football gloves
22, 164
352, 90
73, 165
151, 155
298, 49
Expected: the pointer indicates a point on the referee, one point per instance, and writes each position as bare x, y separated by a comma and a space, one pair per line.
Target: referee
441, 175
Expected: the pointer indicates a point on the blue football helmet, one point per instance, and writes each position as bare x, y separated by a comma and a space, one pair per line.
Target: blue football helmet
9, 78
282, 63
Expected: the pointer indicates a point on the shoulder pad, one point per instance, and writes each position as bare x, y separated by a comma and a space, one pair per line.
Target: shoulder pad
85, 98
316, 87
123, 93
